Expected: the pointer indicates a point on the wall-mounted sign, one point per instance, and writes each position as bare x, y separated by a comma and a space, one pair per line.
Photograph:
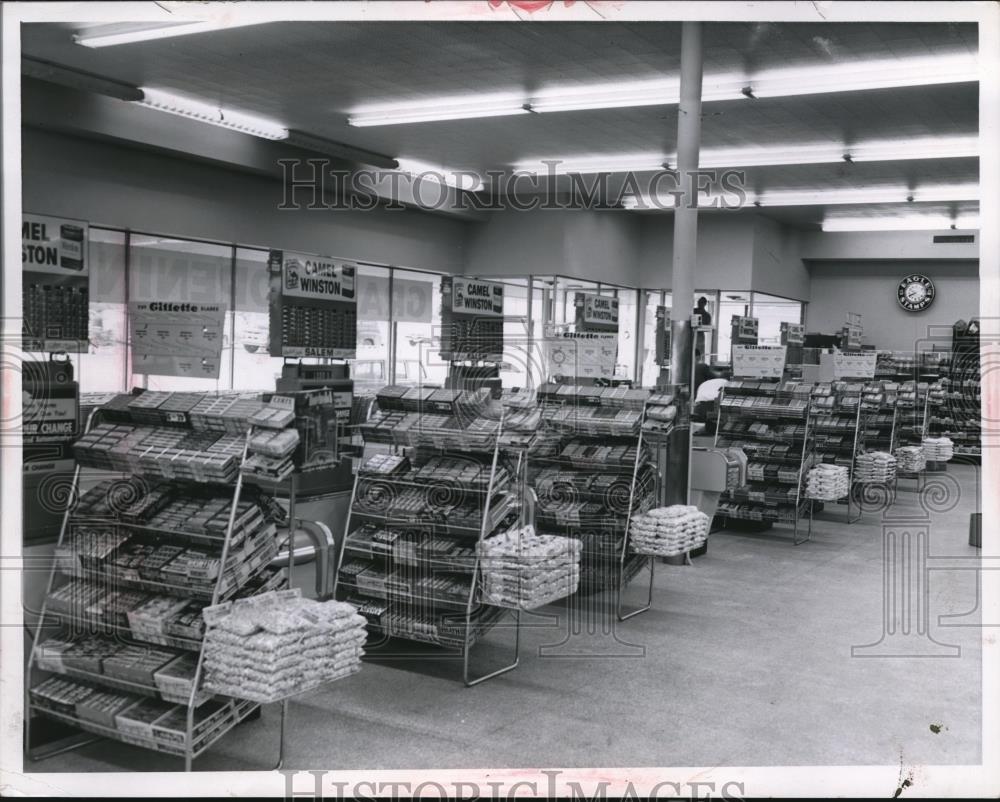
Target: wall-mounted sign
759, 361
313, 306
471, 320
176, 339
915, 293
596, 312
56, 283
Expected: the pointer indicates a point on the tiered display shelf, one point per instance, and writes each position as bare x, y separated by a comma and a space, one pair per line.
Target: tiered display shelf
770, 422
117, 648
912, 405
593, 472
421, 505
835, 411
955, 404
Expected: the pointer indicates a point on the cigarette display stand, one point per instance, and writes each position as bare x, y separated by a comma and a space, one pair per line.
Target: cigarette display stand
433, 485
770, 422
182, 524
835, 411
592, 474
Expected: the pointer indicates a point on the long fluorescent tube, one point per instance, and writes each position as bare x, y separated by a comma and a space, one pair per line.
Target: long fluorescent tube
454, 108
950, 192
214, 115
830, 197
123, 33
847, 76
817, 153
902, 223
440, 175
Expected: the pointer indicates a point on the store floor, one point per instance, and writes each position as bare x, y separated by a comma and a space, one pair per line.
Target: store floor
745, 659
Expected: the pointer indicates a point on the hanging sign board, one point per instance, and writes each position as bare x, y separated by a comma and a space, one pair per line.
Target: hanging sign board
759, 361
591, 355
793, 333
56, 283
176, 339
313, 306
471, 319
596, 312
856, 365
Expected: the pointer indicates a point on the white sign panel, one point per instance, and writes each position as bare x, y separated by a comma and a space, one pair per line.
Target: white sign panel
476, 297
306, 276
759, 361
176, 339
581, 355
854, 365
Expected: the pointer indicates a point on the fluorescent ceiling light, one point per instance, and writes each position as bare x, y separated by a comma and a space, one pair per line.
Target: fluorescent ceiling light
441, 175
830, 197
950, 192
816, 153
339, 150
454, 108
845, 76
208, 113
915, 222
76, 79
123, 33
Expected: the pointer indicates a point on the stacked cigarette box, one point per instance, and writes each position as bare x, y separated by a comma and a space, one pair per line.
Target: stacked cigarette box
875, 467
910, 459
938, 449
827, 482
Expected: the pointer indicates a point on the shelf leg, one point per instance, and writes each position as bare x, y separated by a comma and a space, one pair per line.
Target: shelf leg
503, 670
651, 562
281, 736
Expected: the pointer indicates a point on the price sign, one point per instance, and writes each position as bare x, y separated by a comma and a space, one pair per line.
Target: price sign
854, 365
759, 361
176, 339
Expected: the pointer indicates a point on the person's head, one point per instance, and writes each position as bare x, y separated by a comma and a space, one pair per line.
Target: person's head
702, 302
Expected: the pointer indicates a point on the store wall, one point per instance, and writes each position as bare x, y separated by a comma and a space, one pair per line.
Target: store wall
725, 251
869, 288
125, 187
877, 245
587, 244
777, 267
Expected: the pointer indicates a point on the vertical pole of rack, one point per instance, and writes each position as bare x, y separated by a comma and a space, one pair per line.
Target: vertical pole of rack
625, 538
347, 525
798, 490
74, 489
854, 458
216, 593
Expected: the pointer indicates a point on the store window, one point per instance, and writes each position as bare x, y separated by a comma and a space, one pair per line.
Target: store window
172, 269
416, 320
650, 371
628, 305
253, 368
371, 368
771, 311
731, 304
518, 369
101, 368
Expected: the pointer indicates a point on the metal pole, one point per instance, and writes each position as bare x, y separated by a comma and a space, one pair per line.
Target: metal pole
686, 211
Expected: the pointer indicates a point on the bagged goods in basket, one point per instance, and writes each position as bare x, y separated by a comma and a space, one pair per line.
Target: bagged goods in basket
669, 531
875, 467
269, 646
525, 570
827, 482
910, 459
938, 449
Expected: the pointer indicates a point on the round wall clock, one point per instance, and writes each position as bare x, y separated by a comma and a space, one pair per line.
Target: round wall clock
915, 293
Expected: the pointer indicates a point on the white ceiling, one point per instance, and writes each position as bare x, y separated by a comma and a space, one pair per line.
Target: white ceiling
308, 76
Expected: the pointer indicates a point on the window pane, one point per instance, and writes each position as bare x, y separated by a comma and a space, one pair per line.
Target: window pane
102, 367
772, 311
625, 368
418, 328
731, 304
184, 271
650, 370
370, 369
253, 367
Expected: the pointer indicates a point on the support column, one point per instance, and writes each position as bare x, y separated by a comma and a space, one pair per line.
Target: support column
685, 240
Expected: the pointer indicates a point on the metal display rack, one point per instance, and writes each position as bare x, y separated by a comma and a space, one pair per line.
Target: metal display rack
246, 574
414, 569
911, 418
955, 405
770, 421
595, 474
837, 429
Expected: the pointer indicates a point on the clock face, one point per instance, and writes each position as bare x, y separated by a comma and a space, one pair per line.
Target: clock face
915, 293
